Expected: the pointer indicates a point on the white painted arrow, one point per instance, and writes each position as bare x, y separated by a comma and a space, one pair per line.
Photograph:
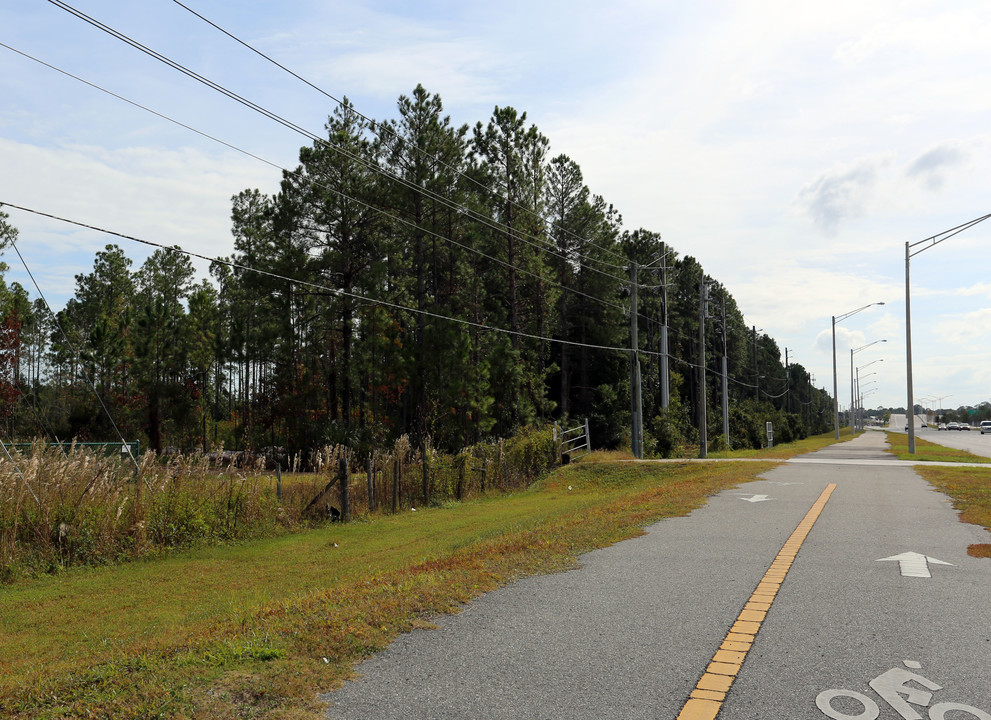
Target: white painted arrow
913, 564
757, 498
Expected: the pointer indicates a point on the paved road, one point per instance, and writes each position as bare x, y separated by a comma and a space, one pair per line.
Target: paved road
971, 440
632, 632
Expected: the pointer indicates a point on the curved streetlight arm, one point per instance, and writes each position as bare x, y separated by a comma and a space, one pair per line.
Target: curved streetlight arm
861, 367
836, 396
864, 347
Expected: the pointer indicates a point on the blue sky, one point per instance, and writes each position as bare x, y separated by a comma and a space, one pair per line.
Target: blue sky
793, 149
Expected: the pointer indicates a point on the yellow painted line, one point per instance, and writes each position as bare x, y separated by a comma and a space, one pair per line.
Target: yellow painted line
707, 698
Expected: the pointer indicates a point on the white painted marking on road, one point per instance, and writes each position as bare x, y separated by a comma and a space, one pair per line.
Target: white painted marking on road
757, 498
893, 684
913, 564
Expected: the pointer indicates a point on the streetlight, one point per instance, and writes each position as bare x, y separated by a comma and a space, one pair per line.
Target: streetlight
860, 407
836, 400
939, 403
861, 367
853, 430
909, 254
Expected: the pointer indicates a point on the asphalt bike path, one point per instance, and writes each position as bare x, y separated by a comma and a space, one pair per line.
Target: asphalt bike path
837, 589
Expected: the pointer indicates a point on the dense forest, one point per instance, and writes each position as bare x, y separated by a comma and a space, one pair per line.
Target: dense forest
407, 277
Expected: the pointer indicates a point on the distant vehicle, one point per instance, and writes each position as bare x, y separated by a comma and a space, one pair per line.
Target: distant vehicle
941, 426
985, 426
964, 426
953, 426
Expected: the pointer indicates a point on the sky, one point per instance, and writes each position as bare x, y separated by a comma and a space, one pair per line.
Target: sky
792, 148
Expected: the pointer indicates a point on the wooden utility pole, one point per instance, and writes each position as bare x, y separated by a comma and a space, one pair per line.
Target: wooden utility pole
636, 405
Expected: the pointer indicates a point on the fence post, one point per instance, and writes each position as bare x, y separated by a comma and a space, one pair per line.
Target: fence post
461, 461
370, 476
345, 480
557, 445
588, 437
395, 485
485, 469
425, 472
278, 480
500, 473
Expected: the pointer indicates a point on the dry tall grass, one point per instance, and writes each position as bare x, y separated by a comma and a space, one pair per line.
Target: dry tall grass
59, 509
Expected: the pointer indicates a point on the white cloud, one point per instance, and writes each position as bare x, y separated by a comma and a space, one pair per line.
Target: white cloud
964, 329
931, 167
842, 193
169, 196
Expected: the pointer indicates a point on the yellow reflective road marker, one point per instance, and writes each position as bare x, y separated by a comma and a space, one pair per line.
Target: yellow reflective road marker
707, 698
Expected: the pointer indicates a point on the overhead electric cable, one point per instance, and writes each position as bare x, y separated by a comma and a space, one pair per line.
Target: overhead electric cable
317, 286
402, 220
17, 468
99, 399
384, 126
375, 168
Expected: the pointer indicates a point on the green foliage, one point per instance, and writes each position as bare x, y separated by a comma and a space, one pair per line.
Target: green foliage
386, 231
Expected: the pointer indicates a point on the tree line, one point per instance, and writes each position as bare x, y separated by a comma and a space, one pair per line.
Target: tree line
407, 277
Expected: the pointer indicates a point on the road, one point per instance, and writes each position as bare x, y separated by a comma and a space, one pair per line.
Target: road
838, 586
972, 441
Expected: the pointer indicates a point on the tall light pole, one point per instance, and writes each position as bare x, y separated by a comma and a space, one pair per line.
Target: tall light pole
854, 351
859, 368
909, 254
836, 397
859, 409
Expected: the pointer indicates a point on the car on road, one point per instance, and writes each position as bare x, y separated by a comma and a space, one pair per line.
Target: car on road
953, 426
985, 426
941, 426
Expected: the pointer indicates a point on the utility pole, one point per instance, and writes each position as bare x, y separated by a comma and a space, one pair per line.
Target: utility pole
787, 384
756, 369
703, 432
725, 378
665, 387
636, 433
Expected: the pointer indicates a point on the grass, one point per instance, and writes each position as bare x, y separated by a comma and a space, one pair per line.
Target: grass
782, 451
778, 452
929, 451
256, 630
968, 487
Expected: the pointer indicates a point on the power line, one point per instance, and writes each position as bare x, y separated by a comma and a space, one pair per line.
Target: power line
17, 468
369, 206
324, 288
373, 167
64, 335
384, 127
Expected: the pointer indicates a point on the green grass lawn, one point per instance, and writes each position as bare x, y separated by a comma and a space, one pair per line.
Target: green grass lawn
257, 629
929, 451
